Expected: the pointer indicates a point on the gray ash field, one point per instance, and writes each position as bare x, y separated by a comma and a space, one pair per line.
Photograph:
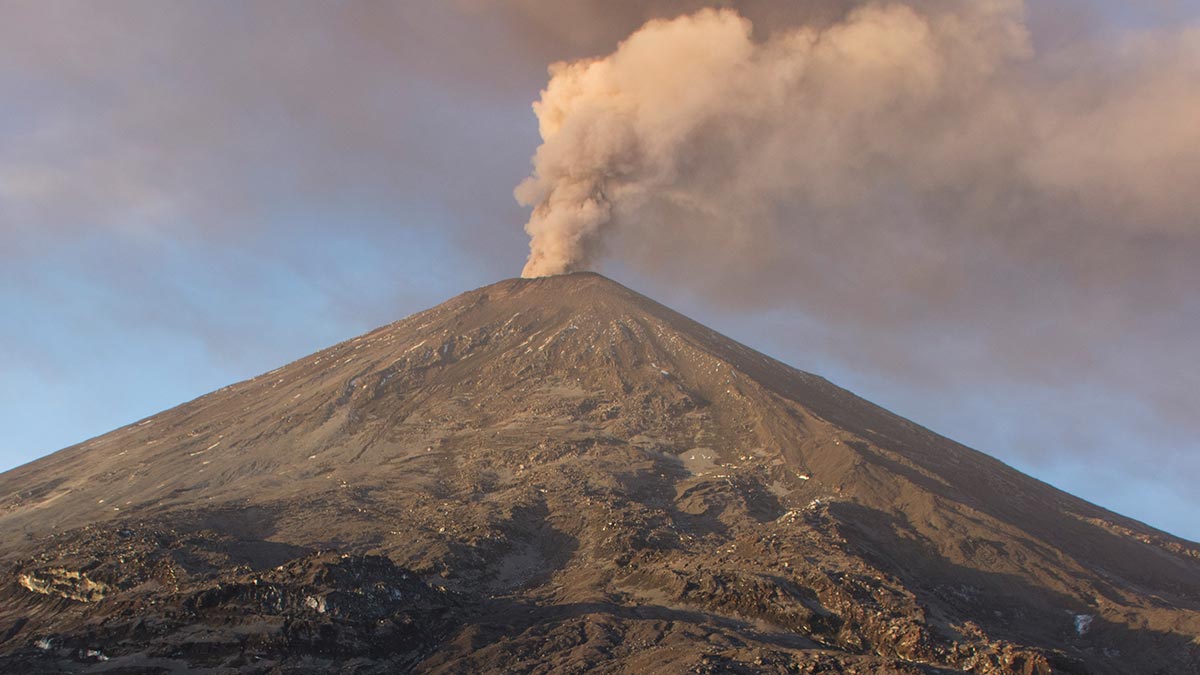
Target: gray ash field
559, 475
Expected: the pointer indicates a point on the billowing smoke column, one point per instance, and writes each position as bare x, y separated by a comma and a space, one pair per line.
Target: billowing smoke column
617, 127
920, 122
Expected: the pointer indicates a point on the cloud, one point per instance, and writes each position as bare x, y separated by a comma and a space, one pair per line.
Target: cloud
201, 119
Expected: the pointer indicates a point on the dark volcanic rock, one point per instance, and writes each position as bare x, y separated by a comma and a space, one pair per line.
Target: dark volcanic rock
562, 476
151, 612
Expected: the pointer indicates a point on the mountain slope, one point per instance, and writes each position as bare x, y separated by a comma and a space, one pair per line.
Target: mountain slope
544, 474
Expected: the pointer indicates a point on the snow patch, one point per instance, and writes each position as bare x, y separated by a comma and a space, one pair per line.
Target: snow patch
1083, 622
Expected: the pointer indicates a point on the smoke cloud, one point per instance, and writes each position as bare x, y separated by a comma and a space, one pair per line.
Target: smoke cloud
961, 197
911, 125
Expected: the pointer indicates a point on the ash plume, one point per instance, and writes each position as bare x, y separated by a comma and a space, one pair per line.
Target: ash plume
923, 126
952, 193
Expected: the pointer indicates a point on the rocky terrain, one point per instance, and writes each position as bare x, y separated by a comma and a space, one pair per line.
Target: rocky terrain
560, 475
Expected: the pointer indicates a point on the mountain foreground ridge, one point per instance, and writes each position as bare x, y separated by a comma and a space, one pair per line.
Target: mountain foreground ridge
559, 475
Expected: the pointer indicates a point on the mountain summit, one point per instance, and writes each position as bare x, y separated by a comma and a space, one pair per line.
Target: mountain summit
560, 475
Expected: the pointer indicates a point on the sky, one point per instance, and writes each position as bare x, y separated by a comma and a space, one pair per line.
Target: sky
974, 214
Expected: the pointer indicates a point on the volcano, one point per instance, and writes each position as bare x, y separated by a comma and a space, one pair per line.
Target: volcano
560, 475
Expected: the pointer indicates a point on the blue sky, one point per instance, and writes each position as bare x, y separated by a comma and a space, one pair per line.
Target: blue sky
191, 195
